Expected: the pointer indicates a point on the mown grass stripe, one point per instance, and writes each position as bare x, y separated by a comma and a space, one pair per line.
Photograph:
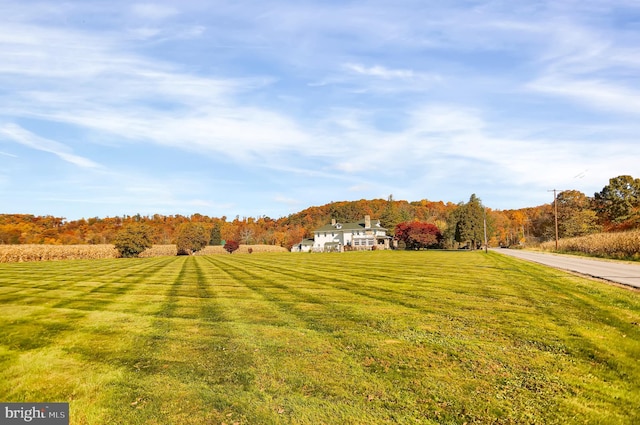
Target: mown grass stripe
250, 293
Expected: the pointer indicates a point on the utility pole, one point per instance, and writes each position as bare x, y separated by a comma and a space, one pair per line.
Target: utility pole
555, 211
486, 245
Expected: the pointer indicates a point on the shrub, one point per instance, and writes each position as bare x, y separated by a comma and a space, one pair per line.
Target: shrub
417, 235
133, 240
231, 246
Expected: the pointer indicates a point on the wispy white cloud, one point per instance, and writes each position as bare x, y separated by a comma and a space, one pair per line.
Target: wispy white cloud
360, 187
287, 200
380, 71
152, 11
594, 93
145, 32
18, 134
142, 99
591, 67
443, 146
359, 78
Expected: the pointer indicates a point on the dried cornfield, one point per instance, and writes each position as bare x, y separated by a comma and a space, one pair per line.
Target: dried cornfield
162, 250
244, 249
622, 245
24, 253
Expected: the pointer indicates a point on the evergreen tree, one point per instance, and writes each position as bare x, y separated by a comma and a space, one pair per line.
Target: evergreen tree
216, 235
391, 216
468, 222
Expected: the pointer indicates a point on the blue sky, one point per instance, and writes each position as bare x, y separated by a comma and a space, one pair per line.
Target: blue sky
267, 107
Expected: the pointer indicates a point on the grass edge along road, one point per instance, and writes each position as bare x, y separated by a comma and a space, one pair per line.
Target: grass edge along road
357, 338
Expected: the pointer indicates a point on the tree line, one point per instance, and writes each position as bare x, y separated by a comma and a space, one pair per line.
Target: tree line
615, 208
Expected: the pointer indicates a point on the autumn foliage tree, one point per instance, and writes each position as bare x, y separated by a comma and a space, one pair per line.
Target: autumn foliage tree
615, 208
231, 246
191, 237
618, 204
575, 216
133, 240
417, 234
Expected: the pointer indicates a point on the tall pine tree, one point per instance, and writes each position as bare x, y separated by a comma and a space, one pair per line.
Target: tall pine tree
391, 216
215, 238
468, 222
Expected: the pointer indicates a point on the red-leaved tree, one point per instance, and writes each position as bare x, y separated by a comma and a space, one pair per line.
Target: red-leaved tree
418, 234
231, 246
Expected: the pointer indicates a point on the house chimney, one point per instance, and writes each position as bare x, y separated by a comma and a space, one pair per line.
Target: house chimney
367, 222
333, 221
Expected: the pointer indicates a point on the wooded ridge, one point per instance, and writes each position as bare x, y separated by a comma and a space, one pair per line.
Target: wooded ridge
615, 208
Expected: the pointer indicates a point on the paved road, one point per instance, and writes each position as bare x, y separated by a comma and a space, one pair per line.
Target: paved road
619, 272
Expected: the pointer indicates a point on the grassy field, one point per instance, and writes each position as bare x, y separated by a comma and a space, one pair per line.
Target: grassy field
355, 338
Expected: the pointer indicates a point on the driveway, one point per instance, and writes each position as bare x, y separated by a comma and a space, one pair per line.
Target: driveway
613, 271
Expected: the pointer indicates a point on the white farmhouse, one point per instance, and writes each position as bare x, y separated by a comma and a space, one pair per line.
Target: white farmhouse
361, 235
305, 246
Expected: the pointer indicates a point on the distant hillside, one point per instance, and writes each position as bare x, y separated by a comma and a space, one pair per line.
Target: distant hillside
389, 212
285, 231
615, 208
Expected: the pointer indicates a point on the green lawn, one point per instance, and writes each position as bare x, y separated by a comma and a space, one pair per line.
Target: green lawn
354, 338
